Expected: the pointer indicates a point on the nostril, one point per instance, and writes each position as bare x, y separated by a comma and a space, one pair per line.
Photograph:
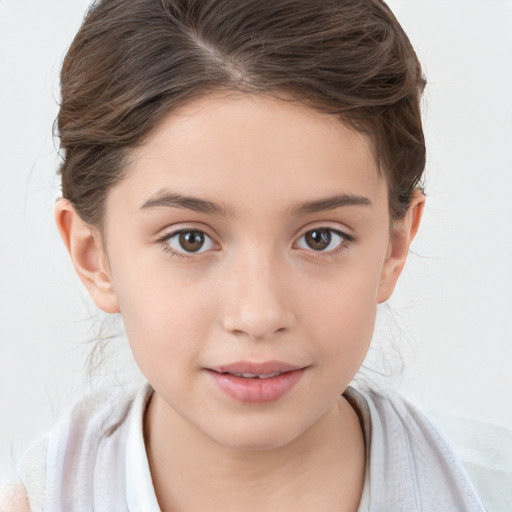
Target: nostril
255, 314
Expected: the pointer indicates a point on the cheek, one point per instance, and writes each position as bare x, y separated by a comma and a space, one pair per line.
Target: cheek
342, 312
348, 317
165, 318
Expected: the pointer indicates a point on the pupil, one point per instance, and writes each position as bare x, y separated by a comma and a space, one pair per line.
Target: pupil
318, 239
191, 241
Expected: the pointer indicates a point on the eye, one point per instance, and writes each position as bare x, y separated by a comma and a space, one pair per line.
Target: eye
189, 241
322, 239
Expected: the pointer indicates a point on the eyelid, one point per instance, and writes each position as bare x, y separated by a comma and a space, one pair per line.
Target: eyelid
171, 230
337, 227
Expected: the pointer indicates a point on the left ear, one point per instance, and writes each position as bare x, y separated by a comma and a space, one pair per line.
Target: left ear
403, 233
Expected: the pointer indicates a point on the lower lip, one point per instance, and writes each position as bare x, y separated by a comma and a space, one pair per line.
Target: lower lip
256, 391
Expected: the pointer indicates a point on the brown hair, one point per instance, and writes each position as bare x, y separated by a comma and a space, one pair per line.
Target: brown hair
133, 61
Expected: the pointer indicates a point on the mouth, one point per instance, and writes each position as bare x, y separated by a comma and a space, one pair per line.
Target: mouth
261, 370
253, 375
256, 382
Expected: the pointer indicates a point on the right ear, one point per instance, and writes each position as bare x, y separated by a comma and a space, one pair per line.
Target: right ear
88, 255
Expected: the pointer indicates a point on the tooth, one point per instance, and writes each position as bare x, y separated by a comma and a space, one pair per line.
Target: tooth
269, 375
254, 375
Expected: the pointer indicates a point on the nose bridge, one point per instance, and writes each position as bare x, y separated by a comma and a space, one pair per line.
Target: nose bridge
257, 297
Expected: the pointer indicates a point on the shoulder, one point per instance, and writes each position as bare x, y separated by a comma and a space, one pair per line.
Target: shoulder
97, 419
108, 406
13, 498
485, 449
395, 422
31, 470
410, 461
89, 438
464, 455
393, 416
92, 420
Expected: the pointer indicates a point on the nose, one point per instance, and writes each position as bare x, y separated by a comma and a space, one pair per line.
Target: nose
258, 301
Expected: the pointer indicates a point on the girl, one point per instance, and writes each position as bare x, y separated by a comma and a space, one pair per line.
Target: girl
241, 182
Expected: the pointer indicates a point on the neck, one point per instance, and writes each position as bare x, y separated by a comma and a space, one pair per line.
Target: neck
322, 469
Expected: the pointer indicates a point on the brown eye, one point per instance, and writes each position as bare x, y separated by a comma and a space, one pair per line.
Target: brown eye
318, 239
322, 239
190, 241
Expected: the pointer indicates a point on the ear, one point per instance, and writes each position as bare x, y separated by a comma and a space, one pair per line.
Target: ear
402, 234
87, 253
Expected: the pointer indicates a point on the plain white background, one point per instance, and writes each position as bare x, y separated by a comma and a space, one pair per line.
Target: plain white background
451, 317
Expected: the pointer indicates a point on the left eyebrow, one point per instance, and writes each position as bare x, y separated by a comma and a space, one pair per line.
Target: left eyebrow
331, 203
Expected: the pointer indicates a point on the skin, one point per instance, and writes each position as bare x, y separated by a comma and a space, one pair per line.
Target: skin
255, 291
13, 498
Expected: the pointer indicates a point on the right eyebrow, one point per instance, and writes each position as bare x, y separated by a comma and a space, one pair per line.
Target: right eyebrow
173, 200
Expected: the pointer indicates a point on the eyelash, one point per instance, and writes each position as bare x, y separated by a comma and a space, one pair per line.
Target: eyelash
346, 240
345, 243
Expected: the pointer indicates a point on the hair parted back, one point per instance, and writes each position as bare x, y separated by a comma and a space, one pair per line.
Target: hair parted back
134, 61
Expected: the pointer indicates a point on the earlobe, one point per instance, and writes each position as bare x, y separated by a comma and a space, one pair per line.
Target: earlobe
88, 256
403, 232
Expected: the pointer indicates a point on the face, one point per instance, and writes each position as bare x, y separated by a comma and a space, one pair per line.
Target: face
250, 236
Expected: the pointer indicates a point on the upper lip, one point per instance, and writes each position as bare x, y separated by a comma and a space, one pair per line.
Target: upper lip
263, 368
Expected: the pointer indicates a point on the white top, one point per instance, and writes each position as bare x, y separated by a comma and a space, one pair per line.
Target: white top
140, 494
95, 459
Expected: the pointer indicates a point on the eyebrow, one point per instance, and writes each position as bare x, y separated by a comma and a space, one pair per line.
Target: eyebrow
331, 203
173, 200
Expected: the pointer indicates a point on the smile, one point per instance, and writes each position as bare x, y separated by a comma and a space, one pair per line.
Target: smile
256, 383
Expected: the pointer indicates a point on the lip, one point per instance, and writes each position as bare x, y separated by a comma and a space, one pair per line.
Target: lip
263, 368
256, 390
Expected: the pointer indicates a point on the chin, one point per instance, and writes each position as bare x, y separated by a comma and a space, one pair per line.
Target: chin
254, 435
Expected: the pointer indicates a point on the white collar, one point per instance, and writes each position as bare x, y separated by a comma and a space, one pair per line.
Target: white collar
140, 493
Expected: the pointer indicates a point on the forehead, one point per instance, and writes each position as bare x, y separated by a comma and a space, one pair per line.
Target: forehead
248, 151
